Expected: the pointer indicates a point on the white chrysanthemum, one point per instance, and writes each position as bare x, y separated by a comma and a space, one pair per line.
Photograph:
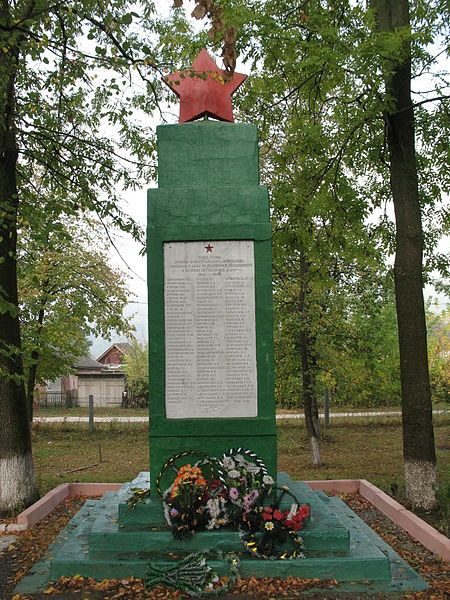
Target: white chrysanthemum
215, 507
233, 474
253, 469
267, 480
228, 463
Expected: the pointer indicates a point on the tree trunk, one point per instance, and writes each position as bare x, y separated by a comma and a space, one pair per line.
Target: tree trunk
306, 350
310, 404
31, 384
17, 484
418, 435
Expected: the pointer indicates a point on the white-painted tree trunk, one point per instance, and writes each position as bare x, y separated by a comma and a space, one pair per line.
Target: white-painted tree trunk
315, 451
420, 483
16, 482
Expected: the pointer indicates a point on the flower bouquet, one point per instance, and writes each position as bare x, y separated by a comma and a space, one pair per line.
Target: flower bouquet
271, 532
184, 501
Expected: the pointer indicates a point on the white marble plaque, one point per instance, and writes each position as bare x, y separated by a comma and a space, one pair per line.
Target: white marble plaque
209, 309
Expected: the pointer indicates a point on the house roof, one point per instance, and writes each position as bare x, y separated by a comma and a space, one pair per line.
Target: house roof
123, 347
87, 363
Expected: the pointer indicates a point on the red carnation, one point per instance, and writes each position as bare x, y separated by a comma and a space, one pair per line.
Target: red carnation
293, 525
289, 523
304, 511
267, 513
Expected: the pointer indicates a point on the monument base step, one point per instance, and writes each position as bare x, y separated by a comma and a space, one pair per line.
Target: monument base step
324, 530
74, 557
93, 545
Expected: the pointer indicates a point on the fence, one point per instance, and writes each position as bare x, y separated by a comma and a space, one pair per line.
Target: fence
56, 407
63, 401
55, 400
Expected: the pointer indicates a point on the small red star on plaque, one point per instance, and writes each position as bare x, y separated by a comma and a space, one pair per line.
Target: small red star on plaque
209, 248
204, 89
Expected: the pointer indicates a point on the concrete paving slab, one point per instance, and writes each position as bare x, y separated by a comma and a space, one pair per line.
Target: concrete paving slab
6, 541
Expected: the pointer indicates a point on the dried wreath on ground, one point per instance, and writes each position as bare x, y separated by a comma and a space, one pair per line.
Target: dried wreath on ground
235, 492
194, 575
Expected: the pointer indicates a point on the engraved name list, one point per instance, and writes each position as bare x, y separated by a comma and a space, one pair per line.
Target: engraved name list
210, 339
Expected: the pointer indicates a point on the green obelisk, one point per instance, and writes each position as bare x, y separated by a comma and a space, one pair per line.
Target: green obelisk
210, 295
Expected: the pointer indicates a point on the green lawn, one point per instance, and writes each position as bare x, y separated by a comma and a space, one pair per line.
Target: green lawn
351, 449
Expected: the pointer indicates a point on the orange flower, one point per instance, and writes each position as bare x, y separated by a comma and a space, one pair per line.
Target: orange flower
187, 475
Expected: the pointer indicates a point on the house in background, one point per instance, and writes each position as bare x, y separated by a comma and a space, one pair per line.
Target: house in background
105, 383
103, 378
115, 354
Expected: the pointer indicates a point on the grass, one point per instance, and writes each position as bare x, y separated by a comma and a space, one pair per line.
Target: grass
351, 449
357, 450
59, 449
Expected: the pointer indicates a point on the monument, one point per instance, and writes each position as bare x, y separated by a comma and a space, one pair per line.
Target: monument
210, 281
211, 372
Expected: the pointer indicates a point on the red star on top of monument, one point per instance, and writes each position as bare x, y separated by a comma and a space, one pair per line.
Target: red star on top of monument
204, 89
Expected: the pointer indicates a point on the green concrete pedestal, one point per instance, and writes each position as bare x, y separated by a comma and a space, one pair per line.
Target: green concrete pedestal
106, 540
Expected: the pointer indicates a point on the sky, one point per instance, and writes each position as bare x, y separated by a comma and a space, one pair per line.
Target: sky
135, 266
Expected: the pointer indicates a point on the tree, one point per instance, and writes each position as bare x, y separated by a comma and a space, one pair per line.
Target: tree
439, 353
354, 80
356, 344
69, 120
361, 358
418, 434
320, 250
67, 291
136, 370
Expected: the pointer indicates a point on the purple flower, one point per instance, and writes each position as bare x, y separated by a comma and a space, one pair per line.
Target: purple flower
233, 493
247, 503
173, 512
249, 500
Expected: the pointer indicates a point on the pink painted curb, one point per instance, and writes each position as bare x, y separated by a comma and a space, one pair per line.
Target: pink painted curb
343, 486
44, 506
47, 503
417, 528
93, 489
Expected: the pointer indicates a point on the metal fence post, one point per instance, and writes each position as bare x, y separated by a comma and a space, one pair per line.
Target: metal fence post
326, 406
91, 414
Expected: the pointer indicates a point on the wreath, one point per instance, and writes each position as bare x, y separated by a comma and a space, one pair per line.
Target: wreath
269, 531
234, 491
193, 575
176, 462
